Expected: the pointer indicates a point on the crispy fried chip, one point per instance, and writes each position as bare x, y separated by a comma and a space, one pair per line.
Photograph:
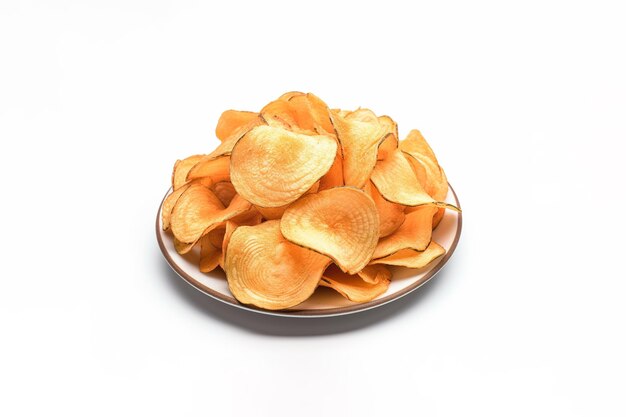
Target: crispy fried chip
341, 223
266, 270
181, 169
275, 213
353, 287
414, 233
218, 169
373, 274
227, 145
209, 254
198, 211
391, 215
225, 191
360, 135
424, 163
272, 167
411, 258
170, 200
249, 218
232, 120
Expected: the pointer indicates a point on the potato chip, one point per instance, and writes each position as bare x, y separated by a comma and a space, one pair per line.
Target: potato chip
341, 223
266, 270
170, 200
232, 120
249, 218
181, 169
391, 215
373, 274
334, 176
352, 286
272, 167
227, 145
198, 211
423, 161
414, 233
360, 137
275, 213
225, 191
280, 113
218, 169
411, 258
209, 254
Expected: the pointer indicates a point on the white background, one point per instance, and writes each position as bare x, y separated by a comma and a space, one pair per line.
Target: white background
524, 104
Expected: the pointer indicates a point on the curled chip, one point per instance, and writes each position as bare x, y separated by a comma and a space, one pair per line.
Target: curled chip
391, 215
232, 120
415, 233
198, 211
215, 168
268, 271
181, 169
209, 254
341, 223
374, 273
225, 191
272, 167
411, 258
353, 287
360, 135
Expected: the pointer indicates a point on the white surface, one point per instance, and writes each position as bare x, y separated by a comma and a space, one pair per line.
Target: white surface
323, 298
524, 105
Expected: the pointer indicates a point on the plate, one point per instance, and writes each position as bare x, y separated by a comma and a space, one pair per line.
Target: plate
325, 302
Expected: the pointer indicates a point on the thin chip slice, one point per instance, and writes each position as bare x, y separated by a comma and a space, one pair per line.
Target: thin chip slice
170, 200
396, 182
415, 233
272, 167
231, 120
341, 223
225, 191
275, 213
266, 270
198, 211
227, 145
424, 162
218, 169
209, 254
359, 144
334, 176
312, 113
353, 287
183, 248
391, 215
388, 145
280, 113
181, 169
411, 258
373, 274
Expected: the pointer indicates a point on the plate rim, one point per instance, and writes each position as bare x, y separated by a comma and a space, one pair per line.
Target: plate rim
309, 313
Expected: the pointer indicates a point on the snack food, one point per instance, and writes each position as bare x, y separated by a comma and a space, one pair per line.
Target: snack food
299, 195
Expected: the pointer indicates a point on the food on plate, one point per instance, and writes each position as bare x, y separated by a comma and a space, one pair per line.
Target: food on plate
299, 195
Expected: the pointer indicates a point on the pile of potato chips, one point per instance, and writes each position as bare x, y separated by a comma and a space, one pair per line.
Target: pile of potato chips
300, 195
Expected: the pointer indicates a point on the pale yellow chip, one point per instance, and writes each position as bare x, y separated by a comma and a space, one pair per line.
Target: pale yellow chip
353, 287
341, 223
272, 167
266, 270
411, 258
415, 233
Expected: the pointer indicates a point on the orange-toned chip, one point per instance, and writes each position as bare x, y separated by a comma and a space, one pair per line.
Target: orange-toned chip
373, 274
183, 248
218, 169
232, 120
353, 287
280, 113
341, 223
414, 233
360, 135
198, 211
272, 167
225, 191
266, 270
181, 169
275, 213
170, 200
209, 254
391, 215
228, 143
411, 258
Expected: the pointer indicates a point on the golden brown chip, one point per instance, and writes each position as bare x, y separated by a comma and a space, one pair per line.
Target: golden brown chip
414, 233
360, 137
275, 213
183, 248
232, 120
272, 167
423, 161
391, 215
268, 271
373, 274
227, 145
218, 169
388, 145
396, 182
170, 200
225, 191
209, 254
353, 287
198, 211
341, 223
181, 169
411, 258
280, 113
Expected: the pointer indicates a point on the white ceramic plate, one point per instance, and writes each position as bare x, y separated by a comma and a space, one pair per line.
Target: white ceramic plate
325, 302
